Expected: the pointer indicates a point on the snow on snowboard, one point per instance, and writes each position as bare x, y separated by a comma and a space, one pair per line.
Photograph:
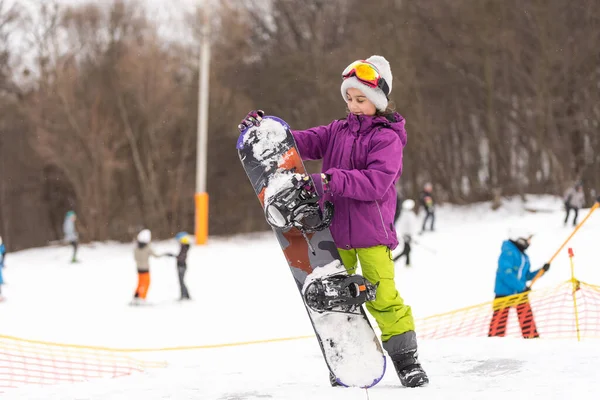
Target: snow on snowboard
332, 297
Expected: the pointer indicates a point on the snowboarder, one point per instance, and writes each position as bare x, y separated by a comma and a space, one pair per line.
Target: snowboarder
408, 229
184, 240
2, 260
512, 276
70, 232
574, 199
362, 161
427, 202
141, 254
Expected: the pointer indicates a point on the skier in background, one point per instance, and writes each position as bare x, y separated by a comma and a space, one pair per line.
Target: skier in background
2, 259
184, 240
427, 202
361, 185
512, 276
408, 228
398, 212
70, 232
142, 253
574, 200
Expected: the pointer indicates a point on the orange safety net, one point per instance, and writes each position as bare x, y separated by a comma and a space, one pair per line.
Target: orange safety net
26, 362
569, 310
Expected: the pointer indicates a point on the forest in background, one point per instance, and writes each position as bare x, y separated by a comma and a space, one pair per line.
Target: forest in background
98, 106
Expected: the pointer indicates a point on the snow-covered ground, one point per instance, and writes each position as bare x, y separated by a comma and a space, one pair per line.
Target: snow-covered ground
242, 291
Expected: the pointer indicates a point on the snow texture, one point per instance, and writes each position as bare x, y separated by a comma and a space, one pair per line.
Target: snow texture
351, 348
281, 179
270, 135
333, 268
50, 299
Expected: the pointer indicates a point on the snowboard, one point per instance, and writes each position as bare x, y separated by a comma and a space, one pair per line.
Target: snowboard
333, 299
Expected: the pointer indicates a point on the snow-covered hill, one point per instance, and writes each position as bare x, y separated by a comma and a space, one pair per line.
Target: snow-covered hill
242, 291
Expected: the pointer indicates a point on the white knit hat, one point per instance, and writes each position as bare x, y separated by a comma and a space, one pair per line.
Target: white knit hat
375, 95
145, 236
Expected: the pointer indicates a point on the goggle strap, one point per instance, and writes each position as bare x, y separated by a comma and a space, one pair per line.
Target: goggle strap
382, 84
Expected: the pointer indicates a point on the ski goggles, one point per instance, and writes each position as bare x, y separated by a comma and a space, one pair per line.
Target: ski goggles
368, 74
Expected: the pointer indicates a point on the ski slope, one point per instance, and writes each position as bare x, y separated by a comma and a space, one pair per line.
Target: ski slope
242, 291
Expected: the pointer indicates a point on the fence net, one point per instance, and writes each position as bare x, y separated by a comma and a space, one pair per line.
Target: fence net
27, 362
569, 310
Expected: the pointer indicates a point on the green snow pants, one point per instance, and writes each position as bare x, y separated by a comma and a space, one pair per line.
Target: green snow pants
392, 315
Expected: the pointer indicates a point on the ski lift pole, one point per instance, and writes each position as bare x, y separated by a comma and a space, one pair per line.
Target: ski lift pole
576, 286
541, 271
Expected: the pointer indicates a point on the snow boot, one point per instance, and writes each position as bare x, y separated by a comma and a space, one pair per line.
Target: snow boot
409, 371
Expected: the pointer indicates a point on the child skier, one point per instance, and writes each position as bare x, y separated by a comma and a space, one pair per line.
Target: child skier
512, 276
408, 227
184, 240
574, 199
70, 232
427, 202
2, 258
362, 161
141, 254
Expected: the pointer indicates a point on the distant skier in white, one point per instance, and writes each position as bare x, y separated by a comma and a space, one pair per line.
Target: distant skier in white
70, 232
574, 199
408, 226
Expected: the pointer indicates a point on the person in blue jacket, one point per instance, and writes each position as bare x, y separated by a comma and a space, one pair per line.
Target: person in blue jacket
2, 257
514, 271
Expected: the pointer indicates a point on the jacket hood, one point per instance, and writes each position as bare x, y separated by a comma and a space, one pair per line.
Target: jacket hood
512, 245
361, 124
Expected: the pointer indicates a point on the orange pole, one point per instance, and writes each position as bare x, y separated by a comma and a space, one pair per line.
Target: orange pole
575, 287
201, 230
541, 271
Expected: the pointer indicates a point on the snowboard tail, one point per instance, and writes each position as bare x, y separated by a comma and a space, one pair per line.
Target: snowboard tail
331, 296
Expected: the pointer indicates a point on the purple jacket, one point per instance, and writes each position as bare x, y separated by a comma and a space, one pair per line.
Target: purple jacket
363, 155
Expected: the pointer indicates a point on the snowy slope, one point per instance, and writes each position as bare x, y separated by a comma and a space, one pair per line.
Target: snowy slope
234, 280
459, 369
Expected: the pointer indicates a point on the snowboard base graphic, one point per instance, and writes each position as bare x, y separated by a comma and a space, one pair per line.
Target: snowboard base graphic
331, 296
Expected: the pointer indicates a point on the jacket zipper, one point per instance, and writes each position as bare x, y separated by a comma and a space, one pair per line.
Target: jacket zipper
350, 246
520, 273
381, 218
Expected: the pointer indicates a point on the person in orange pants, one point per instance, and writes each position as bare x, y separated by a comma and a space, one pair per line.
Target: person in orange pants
143, 285
142, 253
511, 286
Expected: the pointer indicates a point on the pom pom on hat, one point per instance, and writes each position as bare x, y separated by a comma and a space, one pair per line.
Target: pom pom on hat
375, 95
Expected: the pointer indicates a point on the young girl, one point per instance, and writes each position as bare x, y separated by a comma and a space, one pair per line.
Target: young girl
362, 160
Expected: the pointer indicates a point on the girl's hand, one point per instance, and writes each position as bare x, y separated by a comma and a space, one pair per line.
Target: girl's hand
253, 118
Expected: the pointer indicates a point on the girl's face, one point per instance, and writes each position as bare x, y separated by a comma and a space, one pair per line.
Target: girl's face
358, 104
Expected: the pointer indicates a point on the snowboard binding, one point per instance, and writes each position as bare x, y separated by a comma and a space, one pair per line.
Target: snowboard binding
297, 206
341, 293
